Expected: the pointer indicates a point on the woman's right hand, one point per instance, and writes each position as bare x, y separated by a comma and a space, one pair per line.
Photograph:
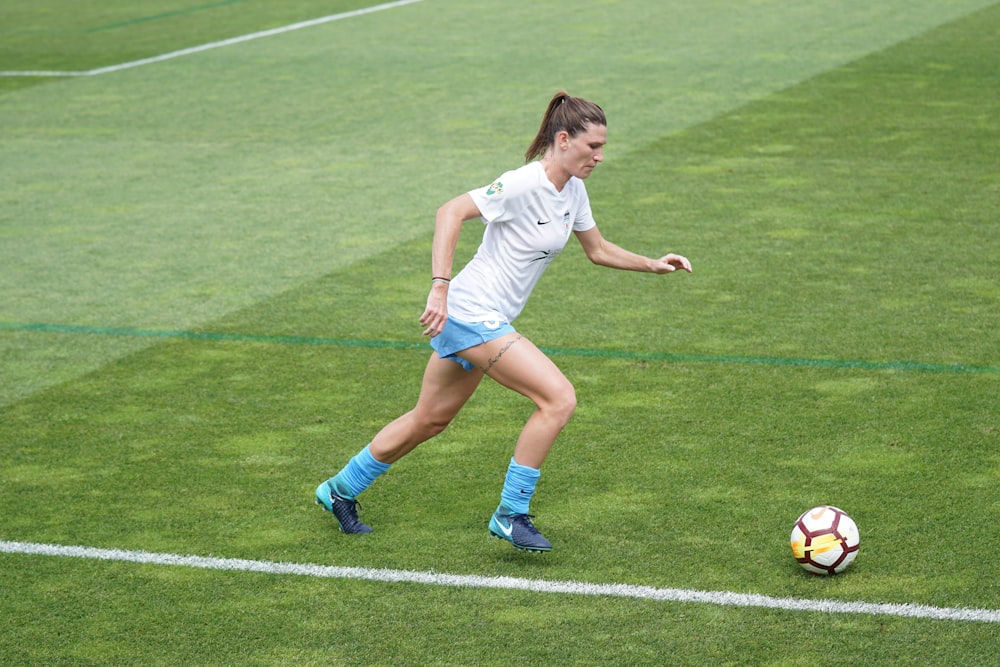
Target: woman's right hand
436, 313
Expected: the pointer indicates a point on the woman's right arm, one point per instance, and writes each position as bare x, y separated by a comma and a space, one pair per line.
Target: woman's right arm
447, 226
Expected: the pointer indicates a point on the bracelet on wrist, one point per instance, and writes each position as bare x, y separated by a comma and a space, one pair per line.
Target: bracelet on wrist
439, 279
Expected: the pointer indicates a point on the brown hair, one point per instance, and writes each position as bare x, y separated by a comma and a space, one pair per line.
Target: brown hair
565, 112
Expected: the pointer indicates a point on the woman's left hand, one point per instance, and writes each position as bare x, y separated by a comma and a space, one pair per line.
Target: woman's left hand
671, 262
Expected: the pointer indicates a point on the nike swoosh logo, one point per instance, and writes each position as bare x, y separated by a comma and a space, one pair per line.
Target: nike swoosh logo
544, 223
506, 530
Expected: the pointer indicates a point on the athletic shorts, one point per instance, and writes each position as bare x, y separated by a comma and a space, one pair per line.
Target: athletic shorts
458, 335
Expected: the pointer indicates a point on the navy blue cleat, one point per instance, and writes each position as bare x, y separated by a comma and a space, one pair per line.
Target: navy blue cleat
518, 530
346, 510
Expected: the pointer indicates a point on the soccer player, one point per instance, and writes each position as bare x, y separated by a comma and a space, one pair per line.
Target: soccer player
529, 214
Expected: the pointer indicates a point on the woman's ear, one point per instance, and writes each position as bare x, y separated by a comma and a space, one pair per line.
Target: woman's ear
562, 139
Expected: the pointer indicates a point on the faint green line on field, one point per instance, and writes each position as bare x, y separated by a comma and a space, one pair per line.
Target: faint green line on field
554, 351
163, 15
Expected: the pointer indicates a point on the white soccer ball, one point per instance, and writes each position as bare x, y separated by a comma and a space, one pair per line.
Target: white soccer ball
825, 540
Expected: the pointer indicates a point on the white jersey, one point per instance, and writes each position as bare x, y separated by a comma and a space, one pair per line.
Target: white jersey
527, 224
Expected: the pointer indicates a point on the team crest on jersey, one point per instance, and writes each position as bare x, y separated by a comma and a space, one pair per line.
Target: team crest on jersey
495, 188
566, 219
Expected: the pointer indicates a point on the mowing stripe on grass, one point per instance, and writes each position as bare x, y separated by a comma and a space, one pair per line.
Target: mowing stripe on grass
214, 45
554, 351
720, 598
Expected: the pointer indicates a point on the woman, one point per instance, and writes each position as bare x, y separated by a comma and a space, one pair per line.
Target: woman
528, 213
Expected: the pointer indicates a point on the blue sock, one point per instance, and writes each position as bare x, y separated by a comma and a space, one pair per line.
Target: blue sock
518, 487
358, 474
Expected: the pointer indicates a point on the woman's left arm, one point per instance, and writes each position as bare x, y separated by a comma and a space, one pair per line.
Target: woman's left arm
602, 252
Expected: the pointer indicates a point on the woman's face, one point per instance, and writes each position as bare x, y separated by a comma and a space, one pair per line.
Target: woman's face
580, 154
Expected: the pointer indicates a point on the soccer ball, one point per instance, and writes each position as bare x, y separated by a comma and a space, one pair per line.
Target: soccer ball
825, 540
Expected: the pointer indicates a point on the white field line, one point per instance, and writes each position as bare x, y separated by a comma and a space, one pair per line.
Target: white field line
508, 583
214, 45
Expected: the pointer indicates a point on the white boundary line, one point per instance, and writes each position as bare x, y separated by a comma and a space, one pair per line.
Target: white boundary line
508, 583
215, 45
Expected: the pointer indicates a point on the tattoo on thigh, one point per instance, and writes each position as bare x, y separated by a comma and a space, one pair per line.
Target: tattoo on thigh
500, 353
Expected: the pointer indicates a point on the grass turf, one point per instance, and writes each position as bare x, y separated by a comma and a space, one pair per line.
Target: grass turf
806, 213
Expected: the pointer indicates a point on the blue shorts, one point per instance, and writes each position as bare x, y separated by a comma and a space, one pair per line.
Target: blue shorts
458, 335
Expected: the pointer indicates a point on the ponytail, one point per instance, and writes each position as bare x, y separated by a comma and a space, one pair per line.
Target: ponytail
564, 113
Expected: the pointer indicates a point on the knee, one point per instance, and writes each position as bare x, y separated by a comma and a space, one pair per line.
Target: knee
563, 403
434, 428
430, 425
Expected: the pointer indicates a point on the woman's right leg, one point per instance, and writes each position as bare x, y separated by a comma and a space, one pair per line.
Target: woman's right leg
445, 389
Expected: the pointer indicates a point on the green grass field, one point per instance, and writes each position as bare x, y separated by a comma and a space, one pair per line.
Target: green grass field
213, 266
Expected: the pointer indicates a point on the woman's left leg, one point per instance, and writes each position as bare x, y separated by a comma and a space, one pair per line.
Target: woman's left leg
517, 364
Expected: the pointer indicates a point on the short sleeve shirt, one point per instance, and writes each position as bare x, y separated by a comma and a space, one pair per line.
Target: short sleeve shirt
528, 223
